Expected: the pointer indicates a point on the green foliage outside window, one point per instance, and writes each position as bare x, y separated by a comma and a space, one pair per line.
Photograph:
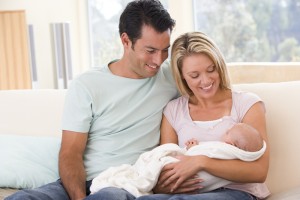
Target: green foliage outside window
252, 30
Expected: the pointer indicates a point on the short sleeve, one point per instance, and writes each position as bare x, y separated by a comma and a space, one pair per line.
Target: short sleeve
77, 114
175, 112
169, 113
244, 101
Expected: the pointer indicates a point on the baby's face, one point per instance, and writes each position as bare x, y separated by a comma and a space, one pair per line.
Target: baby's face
228, 138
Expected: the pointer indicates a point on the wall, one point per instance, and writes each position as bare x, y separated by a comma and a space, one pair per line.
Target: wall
41, 14
181, 11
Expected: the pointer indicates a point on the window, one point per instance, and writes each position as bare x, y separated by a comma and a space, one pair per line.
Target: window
252, 30
104, 29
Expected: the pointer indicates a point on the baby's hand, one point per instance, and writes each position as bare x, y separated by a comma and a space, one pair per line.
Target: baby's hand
191, 142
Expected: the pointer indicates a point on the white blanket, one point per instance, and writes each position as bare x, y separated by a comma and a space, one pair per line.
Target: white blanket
140, 178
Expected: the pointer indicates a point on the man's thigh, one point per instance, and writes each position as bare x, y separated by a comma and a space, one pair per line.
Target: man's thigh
111, 193
51, 191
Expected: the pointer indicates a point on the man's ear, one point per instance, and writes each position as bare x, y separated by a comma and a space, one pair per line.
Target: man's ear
125, 40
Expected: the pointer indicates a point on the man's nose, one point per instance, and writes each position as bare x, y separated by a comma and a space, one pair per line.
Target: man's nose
159, 58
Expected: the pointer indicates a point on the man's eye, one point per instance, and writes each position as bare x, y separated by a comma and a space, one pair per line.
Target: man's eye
150, 51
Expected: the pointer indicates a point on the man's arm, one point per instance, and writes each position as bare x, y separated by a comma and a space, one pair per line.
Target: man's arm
71, 167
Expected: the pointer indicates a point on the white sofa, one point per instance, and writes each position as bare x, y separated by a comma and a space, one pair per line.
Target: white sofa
30, 133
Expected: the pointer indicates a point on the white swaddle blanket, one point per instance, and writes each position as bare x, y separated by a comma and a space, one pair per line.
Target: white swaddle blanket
140, 178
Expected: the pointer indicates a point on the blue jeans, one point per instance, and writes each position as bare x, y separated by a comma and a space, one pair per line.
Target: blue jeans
56, 191
218, 194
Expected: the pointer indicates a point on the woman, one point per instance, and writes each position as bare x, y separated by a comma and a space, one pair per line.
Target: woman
207, 107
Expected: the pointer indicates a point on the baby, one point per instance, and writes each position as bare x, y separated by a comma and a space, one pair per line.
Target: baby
241, 135
240, 142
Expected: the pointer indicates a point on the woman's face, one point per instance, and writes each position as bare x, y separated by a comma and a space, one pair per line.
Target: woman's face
201, 75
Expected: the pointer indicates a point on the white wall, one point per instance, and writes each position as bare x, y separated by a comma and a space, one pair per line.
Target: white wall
41, 13
182, 12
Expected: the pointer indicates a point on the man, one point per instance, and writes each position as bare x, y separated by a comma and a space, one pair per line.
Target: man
113, 114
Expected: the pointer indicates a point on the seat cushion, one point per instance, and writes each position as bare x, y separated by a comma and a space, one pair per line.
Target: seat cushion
291, 194
5, 192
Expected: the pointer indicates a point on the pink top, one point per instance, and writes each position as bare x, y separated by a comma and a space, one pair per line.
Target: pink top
177, 113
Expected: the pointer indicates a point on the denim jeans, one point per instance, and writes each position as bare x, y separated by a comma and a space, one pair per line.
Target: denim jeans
218, 194
56, 191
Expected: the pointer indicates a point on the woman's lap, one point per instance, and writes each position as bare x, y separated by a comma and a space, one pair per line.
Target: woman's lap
219, 194
56, 191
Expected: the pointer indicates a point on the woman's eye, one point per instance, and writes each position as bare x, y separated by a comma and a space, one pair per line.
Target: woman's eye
211, 69
194, 76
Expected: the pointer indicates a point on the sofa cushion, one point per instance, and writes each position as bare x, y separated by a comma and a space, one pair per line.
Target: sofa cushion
282, 101
28, 161
5, 192
292, 194
31, 112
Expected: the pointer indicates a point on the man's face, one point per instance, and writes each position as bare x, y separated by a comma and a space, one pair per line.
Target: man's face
148, 53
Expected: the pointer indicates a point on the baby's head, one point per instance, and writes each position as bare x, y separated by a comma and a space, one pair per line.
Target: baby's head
244, 137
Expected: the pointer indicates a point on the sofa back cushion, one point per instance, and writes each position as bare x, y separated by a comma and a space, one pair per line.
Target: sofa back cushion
282, 102
38, 113
30, 136
31, 112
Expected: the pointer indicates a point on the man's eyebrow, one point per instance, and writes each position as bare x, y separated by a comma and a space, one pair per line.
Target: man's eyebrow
167, 47
150, 47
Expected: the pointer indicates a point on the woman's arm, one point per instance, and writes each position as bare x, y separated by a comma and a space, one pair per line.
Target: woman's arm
240, 171
168, 135
167, 132
233, 170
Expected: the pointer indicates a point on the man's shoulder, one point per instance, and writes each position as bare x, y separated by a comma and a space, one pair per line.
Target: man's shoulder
92, 73
165, 75
166, 67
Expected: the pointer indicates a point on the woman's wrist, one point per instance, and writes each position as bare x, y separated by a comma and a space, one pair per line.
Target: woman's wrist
202, 162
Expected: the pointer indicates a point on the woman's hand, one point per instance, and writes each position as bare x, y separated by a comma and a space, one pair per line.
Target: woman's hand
179, 177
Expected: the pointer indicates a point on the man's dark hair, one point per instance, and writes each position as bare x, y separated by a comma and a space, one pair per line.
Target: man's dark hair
144, 12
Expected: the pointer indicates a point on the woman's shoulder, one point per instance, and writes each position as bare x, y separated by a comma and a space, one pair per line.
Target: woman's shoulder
182, 100
176, 105
243, 101
241, 95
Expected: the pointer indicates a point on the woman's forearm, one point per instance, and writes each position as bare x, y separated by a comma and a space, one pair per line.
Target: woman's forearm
236, 170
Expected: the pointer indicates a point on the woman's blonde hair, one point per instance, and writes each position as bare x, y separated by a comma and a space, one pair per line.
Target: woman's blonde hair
196, 43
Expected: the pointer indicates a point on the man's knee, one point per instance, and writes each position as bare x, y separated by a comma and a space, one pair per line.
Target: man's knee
111, 193
51, 191
26, 195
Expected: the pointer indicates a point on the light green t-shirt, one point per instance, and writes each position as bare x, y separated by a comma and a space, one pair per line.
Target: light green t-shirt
121, 115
